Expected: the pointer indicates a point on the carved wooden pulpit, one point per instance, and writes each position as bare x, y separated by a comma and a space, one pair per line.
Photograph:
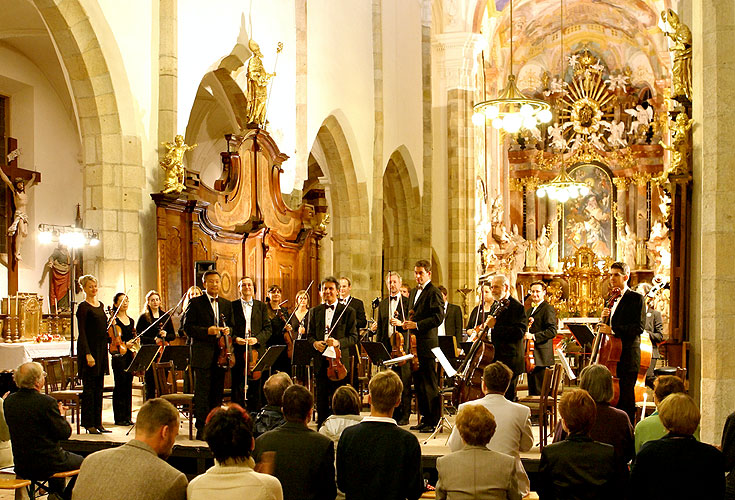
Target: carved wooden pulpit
242, 225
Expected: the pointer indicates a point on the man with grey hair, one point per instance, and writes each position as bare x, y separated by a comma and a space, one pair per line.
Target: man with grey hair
156, 429
36, 423
508, 323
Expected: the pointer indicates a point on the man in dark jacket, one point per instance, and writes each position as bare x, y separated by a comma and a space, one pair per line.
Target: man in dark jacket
36, 423
541, 330
271, 415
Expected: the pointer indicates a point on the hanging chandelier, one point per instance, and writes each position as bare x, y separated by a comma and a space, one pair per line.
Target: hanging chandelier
511, 110
562, 187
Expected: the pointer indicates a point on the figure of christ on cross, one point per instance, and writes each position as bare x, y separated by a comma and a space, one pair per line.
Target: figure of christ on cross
19, 226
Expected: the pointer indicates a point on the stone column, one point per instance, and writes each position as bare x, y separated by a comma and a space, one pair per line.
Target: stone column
458, 53
167, 72
712, 293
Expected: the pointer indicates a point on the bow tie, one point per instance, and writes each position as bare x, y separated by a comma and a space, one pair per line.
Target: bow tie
248, 303
420, 287
329, 307
213, 300
394, 298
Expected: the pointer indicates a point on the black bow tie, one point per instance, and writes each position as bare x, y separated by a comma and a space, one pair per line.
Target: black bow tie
420, 287
330, 307
394, 298
213, 300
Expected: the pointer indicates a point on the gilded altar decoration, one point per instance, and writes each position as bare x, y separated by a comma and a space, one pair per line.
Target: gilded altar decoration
680, 145
682, 51
173, 164
258, 79
587, 220
585, 272
659, 250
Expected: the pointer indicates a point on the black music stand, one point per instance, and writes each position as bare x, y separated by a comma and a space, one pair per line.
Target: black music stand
448, 345
179, 354
449, 372
377, 353
143, 359
582, 333
301, 356
269, 358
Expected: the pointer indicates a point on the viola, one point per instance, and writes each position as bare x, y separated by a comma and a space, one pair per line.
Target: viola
335, 370
251, 359
287, 332
226, 357
607, 349
117, 346
529, 348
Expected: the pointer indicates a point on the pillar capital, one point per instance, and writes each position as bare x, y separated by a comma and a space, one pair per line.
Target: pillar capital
457, 58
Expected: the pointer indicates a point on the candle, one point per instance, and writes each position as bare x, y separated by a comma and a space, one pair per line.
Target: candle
16, 305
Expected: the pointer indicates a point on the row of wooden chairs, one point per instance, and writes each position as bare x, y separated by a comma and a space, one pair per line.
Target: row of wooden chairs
544, 406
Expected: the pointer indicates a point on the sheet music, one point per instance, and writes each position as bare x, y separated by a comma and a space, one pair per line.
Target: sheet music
448, 369
329, 352
395, 361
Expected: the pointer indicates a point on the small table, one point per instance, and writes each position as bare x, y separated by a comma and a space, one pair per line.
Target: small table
13, 355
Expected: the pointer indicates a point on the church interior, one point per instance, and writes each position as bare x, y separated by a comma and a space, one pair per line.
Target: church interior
145, 142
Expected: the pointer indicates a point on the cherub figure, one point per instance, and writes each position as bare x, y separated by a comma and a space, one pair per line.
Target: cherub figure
617, 134
616, 82
557, 137
19, 226
173, 164
641, 118
680, 144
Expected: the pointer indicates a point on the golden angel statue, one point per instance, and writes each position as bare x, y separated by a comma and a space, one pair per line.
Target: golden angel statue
682, 49
258, 79
173, 164
680, 145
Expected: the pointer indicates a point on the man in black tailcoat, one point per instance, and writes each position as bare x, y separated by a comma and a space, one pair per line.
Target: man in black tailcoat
541, 330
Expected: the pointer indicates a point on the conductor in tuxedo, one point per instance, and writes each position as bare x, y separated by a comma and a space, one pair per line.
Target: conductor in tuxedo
508, 326
452, 324
428, 312
341, 334
542, 330
390, 311
252, 327
206, 319
627, 322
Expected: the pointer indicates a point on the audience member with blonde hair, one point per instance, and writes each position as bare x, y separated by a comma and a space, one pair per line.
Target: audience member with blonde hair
475, 472
691, 469
578, 468
376, 458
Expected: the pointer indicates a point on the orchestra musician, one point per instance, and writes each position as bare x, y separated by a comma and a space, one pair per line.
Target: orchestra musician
391, 312
654, 329
160, 334
342, 334
452, 324
122, 394
480, 313
627, 323
428, 306
297, 329
345, 289
541, 330
92, 354
203, 325
508, 330
253, 327
278, 316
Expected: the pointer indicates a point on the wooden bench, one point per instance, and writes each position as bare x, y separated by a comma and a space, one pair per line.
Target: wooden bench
19, 485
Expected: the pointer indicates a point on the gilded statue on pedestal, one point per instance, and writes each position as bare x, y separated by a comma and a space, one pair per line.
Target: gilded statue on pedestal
680, 145
173, 164
258, 79
682, 49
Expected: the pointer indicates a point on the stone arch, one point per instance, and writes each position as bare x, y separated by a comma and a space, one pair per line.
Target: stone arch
401, 210
112, 161
348, 206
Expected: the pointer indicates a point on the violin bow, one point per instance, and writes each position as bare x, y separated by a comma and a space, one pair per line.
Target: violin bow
112, 318
294, 309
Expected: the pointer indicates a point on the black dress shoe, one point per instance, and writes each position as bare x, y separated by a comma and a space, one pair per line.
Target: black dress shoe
417, 427
102, 429
93, 430
403, 422
427, 428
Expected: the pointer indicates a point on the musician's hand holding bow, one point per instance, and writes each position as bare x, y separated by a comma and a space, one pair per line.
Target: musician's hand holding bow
393, 322
409, 325
320, 345
374, 326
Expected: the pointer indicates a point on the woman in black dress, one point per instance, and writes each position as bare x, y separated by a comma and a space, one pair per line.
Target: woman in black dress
160, 334
92, 354
122, 395
297, 325
277, 316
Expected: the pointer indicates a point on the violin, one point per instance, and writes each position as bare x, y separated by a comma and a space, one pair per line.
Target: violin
396, 343
251, 359
529, 348
412, 344
287, 331
336, 371
226, 357
117, 346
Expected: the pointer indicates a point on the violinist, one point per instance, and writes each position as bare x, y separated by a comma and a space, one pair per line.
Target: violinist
541, 330
390, 313
297, 330
203, 324
345, 297
476, 324
278, 316
160, 334
252, 327
122, 394
627, 321
341, 335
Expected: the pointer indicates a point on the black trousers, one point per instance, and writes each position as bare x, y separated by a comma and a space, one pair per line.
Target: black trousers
426, 383
510, 394
92, 400
209, 386
536, 380
72, 462
403, 411
122, 394
324, 391
626, 401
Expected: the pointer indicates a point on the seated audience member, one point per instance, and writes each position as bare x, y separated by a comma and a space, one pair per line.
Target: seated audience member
304, 462
677, 465
228, 435
651, 428
612, 426
474, 472
728, 450
137, 469
36, 423
346, 412
376, 458
6, 453
578, 468
513, 434
270, 416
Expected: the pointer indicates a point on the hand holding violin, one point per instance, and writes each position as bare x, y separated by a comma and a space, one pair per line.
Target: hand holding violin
320, 345
332, 342
409, 325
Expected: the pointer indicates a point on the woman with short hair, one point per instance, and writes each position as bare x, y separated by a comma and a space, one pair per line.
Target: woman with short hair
228, 432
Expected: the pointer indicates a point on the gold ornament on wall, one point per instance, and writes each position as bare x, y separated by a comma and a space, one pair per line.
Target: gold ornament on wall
173, 164
680, 146
682, 51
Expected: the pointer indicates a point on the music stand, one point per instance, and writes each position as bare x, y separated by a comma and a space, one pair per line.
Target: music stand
448, 345
179, 354
582, 333
143, 359
301, 356
450, 372
377, 353
466, 346
269, 358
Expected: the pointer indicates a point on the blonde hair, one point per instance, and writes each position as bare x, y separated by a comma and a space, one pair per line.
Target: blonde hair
302, 293
476, 425
679, 414
385, 390
83, 280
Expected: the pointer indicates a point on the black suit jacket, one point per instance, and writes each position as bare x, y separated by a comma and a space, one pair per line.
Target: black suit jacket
453, 322
359, 307
36, 427
198, 317
507, 335
655, 329
384, 317
342, 329
544, 331
428, 315
627, 323
260, 325
304, 461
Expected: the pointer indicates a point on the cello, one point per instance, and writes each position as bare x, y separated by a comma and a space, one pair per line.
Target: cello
607, 349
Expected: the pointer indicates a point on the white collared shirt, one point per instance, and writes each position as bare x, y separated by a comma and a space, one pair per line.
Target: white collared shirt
615, 305
247, 311
419, 290
442, 328
215, 307
385, 420
328, 316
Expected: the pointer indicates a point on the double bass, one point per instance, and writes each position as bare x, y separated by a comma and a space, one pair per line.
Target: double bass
607, 349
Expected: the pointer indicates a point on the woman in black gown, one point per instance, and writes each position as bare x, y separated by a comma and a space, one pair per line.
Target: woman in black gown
298, 323
160, 334
92, 354
122, 395
277, 316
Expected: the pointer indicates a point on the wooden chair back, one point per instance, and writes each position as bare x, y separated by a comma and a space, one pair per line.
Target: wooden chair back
162, 374
54, 374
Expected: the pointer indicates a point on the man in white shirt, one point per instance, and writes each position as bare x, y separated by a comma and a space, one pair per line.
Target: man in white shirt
513, 433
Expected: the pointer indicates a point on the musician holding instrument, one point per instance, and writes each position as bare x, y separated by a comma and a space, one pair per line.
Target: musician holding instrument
122, 394
627, 320
541, 331
160, 334
428, 313
390, 332
508, 329
296, 329
331, 332
252, 328
206, 319
452, 324
477, 322
654, 328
